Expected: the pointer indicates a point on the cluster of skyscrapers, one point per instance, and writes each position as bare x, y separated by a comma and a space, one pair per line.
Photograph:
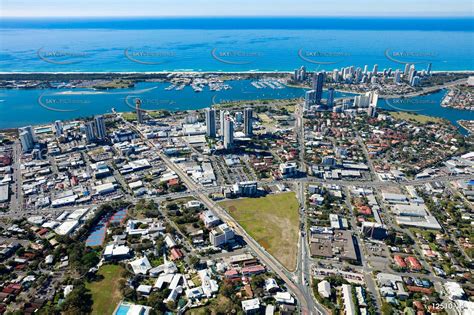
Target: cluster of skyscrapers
227, 125
94, 130
351, 75
358, 75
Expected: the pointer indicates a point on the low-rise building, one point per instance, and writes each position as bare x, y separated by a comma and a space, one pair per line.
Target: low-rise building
251, 306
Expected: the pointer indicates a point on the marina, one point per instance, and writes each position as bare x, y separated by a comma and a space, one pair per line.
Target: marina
48, 105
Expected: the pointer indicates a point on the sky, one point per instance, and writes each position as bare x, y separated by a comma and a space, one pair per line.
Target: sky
170, 8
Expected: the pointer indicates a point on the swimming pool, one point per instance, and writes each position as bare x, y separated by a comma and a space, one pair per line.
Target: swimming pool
122, 310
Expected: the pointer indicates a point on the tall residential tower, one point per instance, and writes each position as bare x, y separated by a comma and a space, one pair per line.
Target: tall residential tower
211, 122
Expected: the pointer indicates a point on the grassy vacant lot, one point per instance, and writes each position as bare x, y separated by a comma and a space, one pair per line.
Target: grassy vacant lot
272, 221
106, 292
422, 119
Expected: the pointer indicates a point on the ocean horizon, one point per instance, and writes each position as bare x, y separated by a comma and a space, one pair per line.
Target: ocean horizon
233, 44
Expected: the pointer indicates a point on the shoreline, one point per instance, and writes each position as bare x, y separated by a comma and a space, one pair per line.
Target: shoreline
246, 72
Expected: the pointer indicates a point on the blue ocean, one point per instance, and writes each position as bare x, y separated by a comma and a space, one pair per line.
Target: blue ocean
233, 44
217, 44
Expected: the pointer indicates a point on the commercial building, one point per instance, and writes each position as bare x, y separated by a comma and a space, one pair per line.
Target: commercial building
415, 215
372, 111
221, 235
116, 252
246, 189
289, 169
374, 230
300, 74
375, 69
67, 227
396, 76
339, 245
411, 73
209, 219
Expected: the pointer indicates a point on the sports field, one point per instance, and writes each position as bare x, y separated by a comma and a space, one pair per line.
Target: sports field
106, 292
272, 221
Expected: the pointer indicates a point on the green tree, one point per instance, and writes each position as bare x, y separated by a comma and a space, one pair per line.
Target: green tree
79, 301
387, 309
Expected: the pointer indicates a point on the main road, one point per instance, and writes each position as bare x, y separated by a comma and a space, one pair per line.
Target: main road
307, 304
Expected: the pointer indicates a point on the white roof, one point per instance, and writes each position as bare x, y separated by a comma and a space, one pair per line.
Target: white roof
427, 222
324, 288
169, 241
349, 306
209, 286
104, 188
163, 278
120, 250
78, 214
66, 227
135, 185
249, 305
194, 293
144, 288
174, 294
67, 290
141, 265
175, 282
270, 309
284, 297
465, 307
138, 310
411, 209
393, 196
454, 290
270, 284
